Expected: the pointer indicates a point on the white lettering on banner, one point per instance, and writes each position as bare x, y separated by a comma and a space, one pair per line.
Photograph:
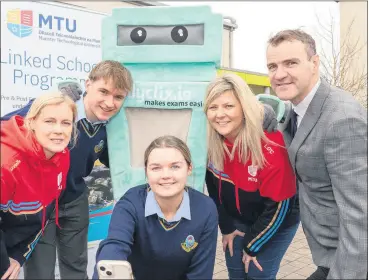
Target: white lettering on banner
160, 92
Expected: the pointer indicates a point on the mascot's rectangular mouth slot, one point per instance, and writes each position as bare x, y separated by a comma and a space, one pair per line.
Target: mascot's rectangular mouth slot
146, 124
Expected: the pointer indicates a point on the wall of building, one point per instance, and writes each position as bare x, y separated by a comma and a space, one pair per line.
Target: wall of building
356, 13
99, 6
225, 62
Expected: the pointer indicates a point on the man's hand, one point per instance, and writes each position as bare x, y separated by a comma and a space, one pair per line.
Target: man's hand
13, 270
246, 259
227, 240
270, 122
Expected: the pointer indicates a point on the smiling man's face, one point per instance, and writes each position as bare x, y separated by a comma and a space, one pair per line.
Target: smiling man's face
103, 100
292, 72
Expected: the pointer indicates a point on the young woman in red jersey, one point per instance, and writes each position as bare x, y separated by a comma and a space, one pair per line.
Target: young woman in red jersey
250, 178
34, 166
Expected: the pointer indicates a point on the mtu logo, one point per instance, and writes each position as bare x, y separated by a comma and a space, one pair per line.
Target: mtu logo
20, 22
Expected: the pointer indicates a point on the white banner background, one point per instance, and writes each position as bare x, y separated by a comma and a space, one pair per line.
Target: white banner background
34, 64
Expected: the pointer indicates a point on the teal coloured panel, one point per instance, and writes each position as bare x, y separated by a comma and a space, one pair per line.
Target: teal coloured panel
125, 177
174, 72
167, 77
210, 51
162, 15
170, 96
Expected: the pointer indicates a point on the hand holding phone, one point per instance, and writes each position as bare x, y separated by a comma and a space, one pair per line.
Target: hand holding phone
109, 269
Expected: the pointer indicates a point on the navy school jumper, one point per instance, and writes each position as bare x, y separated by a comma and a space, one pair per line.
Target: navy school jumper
186, 251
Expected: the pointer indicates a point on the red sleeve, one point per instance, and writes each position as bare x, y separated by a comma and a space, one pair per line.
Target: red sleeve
277, 179
6, 188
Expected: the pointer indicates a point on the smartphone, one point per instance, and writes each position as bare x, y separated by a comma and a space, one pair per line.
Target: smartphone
114, 270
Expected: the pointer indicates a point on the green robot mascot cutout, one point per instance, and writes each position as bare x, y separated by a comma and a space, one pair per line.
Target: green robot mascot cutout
172, 53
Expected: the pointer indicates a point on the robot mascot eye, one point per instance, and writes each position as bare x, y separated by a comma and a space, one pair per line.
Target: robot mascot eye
179, 34
138, 35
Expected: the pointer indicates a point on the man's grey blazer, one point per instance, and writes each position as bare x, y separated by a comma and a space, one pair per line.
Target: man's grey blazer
329, 156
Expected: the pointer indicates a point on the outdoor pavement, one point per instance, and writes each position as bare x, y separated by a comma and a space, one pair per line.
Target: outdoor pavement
296, 264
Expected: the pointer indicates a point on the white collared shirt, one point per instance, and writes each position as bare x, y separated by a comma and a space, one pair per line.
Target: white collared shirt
82, 112
300, 109
152, 207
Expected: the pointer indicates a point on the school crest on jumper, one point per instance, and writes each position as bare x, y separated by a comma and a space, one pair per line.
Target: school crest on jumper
189, 244
98, 148
252, 170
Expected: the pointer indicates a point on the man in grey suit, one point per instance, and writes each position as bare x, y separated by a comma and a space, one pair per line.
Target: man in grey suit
326, 135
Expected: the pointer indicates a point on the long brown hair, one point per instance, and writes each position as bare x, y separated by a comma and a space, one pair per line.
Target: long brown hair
169, 141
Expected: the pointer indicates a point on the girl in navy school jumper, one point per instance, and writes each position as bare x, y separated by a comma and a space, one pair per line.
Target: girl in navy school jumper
34, 167
164, 229
251, 180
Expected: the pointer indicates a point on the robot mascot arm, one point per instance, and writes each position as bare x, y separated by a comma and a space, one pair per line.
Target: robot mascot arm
282, 109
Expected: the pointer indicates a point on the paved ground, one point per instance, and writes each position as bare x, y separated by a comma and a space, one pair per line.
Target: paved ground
296, 264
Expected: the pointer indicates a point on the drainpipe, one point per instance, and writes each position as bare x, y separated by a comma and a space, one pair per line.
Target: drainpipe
232, 26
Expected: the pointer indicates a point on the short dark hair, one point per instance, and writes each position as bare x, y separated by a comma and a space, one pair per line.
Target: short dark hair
295, 34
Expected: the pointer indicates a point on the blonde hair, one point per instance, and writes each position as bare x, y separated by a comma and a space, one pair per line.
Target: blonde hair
248, 141
53, 98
